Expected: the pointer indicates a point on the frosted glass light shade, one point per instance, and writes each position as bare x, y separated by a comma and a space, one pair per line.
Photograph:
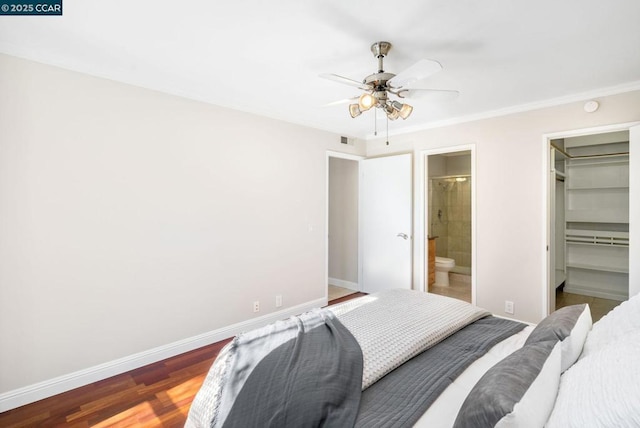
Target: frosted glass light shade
354, 110
404, 110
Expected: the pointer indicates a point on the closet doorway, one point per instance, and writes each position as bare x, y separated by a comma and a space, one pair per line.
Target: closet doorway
592, 193
448, 222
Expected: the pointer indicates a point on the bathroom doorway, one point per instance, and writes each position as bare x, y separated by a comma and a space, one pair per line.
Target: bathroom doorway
448, 222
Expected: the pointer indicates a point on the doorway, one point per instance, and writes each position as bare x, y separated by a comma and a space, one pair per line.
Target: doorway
591, 184
343, 252
382, 197
448, 222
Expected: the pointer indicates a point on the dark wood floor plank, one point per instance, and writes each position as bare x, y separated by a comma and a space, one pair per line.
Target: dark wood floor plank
156, 395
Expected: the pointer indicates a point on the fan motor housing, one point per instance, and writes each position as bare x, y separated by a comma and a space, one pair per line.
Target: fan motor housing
381, 98
378, 80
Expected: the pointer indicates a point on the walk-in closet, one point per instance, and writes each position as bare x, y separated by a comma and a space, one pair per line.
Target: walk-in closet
590, 215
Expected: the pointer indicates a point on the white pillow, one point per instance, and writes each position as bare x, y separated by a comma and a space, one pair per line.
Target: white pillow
620, 322
601, 389
518, 392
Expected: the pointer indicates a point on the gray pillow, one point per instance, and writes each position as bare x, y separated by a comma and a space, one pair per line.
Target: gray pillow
519, 391
570, 325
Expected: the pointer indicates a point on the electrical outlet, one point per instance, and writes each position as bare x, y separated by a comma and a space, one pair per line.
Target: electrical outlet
508, 307
256, 306
278, 300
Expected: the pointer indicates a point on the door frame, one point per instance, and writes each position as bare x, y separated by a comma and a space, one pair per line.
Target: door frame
546, 204
422, 229
357, 158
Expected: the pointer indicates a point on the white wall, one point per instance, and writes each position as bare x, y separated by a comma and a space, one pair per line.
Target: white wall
510, 210
130, 219
343, 221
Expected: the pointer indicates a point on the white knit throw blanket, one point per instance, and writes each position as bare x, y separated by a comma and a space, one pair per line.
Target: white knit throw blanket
394, 326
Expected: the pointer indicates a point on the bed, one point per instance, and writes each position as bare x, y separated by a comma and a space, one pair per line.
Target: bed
408, 358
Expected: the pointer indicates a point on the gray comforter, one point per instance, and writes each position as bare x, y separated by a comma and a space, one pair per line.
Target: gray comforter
400, 398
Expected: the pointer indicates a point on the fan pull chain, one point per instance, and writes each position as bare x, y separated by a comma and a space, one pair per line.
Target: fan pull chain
375, 122
387, 130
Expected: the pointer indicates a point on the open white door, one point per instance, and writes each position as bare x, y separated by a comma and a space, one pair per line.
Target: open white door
386, 223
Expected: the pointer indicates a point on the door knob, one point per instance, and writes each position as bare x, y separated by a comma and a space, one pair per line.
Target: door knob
403, 236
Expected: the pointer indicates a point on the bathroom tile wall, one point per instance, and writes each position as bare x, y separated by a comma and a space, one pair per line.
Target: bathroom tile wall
451, 219
459, 226
439, 218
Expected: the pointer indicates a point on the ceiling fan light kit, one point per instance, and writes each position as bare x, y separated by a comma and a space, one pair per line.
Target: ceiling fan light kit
354, 110
378, 86
366, 101
404, 110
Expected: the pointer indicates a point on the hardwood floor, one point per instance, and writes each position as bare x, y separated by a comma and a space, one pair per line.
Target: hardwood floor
335, 292
157, 395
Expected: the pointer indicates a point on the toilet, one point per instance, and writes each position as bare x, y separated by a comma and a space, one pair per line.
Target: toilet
443, 266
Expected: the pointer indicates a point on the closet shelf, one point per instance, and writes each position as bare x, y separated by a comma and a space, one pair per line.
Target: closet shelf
602, 163
599, 187
597, 267
597, 215
597, 237
600, 244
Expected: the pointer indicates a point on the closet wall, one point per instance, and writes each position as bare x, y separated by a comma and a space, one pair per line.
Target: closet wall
596, 199
558, 223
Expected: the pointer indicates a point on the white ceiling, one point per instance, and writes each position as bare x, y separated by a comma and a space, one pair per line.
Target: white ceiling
265, 56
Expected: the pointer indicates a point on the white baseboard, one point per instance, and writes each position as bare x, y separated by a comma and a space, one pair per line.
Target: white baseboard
344, 284
29, 394
595, 293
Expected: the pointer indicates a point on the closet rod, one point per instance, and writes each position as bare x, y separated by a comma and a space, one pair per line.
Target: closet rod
586, 156
604, 155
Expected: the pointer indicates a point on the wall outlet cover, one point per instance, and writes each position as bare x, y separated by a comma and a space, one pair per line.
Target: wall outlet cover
508, 307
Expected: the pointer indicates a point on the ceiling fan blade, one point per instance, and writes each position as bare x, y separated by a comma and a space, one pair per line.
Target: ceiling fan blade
438, 95
343, 101
344, 80
419, 70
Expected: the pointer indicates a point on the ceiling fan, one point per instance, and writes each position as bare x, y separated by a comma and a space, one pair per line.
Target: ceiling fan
379, 86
